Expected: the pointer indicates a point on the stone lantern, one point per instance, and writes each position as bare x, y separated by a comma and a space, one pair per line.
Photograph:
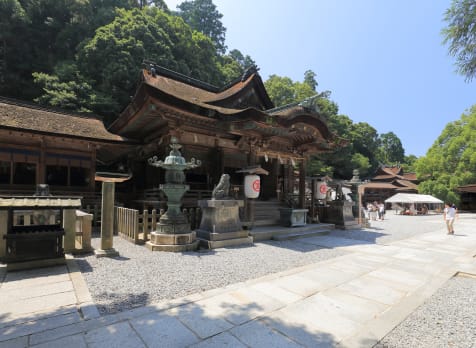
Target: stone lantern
173, 230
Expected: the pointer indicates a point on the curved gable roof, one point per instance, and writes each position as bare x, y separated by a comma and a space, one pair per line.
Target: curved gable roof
163, 98
247, 91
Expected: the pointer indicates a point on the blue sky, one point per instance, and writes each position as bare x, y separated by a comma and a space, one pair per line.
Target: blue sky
383, 60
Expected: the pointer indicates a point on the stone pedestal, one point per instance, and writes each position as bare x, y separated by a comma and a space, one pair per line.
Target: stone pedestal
340, 214
220, 225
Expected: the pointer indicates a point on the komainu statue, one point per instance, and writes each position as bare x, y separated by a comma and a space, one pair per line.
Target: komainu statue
221, 191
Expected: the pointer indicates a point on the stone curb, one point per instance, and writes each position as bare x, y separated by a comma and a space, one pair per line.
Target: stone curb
87, 308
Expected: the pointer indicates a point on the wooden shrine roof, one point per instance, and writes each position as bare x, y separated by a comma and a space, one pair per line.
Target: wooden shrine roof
471, 188
397, 186
245, 91
385, 173
20, 116
164, 101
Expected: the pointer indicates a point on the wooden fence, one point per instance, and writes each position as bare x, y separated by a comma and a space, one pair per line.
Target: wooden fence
136, 227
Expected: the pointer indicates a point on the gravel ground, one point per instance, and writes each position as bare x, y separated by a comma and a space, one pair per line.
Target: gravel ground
446, 319
139, 277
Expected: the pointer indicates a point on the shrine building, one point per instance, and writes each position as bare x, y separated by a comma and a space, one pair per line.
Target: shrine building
229, 129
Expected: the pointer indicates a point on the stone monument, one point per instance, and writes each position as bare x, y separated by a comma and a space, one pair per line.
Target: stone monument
220, 225
173, 230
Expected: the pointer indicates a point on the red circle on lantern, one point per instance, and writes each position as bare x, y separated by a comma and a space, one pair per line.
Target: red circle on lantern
323, 189
256, 185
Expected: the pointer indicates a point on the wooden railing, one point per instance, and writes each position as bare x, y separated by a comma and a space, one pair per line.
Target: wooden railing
136, 227
126, 222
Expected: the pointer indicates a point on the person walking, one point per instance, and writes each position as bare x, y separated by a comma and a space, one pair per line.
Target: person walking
381, 210
449, 215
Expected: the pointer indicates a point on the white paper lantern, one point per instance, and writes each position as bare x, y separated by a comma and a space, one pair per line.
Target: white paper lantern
321, 190
252, 186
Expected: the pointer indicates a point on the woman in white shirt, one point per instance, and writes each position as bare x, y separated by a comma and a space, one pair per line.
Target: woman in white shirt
449, 215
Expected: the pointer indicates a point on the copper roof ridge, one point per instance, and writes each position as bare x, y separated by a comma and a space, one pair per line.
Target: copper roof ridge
253, 69
180, 77
198, 83
282, 107
302, 103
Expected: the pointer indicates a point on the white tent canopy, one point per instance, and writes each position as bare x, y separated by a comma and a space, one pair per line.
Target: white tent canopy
413, 198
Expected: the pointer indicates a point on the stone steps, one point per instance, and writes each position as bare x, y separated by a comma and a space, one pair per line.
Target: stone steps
266, 213
283, 233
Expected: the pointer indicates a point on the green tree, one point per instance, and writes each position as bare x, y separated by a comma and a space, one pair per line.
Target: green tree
409, 163
310, 79
12, 16
460, 34
283, 90
361, 163
116, 52
71, 95
391, 149
108, 63
203, 16
451, 160
365, 141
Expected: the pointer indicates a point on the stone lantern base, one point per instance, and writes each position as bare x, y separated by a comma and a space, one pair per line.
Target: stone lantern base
172, 242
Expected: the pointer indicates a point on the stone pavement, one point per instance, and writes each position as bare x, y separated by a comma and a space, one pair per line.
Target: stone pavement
348, 301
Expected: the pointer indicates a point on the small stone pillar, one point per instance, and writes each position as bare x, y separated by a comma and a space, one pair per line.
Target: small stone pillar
69, 225
107, 221
84, 223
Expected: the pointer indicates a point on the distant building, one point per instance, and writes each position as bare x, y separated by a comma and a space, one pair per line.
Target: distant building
467, 197
387, 181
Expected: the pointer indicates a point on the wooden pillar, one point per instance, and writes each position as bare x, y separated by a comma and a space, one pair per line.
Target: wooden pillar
3, 232
92, 172
289, 179
302, 184
275, 173
252, 156
221, 154
249, 204
41, 178
312, 210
